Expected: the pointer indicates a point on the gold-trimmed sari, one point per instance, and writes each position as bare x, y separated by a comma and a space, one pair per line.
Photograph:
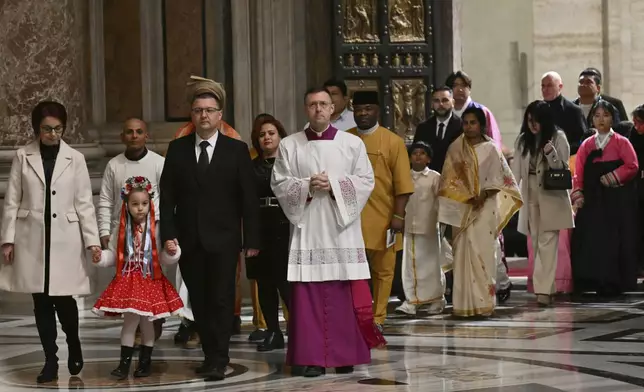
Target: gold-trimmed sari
468, 171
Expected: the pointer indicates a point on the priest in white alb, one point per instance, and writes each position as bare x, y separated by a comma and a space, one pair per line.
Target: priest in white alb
322, 179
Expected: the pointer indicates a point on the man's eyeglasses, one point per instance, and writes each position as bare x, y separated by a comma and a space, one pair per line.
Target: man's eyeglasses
198, 111
57, 129
323, 105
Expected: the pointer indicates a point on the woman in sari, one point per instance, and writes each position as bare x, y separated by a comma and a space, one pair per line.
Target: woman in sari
605, 244
477, 197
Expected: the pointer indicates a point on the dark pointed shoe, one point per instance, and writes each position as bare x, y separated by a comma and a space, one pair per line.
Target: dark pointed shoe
236, 325
49, 372
344, 370
183, 334
314, 371
258, 335
123, 369
144, 368
274, 341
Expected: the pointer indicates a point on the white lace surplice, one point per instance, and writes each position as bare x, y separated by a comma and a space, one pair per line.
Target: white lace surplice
326, 238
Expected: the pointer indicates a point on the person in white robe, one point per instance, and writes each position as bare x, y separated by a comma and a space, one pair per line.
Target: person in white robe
422, 277
322, 179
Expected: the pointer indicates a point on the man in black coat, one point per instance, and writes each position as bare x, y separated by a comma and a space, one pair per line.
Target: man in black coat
589, 90
208, 198
442, 128
568, 116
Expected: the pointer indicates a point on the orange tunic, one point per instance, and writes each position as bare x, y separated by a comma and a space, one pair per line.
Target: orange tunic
391, 168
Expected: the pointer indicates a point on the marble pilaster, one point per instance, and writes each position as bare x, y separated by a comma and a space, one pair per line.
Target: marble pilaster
42, 45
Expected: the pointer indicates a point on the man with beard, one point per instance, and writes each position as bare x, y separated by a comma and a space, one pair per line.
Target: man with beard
440, 130
384, 214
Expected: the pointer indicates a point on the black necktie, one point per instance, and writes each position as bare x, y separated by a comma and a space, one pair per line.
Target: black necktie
441, 128
203, 161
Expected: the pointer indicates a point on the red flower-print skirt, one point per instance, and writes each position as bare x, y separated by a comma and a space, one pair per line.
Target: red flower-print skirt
132, 293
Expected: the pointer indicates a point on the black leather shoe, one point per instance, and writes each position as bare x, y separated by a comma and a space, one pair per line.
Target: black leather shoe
274, 341
183, 334
217, 374
314, 371
123, 369
258, 335
144, 368
236, 325
49, 372
344, 370
205, 367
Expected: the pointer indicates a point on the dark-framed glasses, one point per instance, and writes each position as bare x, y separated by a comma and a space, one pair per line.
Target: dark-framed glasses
322, 104
58, 129
198, 111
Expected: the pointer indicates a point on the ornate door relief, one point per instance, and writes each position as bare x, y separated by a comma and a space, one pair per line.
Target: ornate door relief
388, 46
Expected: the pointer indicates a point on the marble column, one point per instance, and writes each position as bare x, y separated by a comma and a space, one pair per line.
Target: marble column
269, 62
42, 47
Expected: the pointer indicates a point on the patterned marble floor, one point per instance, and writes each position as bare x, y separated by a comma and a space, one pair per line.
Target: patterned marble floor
576, 346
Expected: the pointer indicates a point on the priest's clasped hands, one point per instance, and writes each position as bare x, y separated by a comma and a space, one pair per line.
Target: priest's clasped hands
320, 182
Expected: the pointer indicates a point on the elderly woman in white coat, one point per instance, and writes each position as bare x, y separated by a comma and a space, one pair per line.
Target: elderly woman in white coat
48, 223
539, 147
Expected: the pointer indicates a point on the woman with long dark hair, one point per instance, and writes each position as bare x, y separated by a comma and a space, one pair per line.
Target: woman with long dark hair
605, 240
269, 268
540, 147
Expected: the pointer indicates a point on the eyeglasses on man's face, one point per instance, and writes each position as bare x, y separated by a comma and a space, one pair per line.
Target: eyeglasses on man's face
199, 111
321, 104
58, 129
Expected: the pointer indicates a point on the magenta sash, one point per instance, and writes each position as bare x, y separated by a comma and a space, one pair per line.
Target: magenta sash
362, 305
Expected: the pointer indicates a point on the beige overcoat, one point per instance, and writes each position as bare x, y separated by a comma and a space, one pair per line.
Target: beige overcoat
73, 223
555, 207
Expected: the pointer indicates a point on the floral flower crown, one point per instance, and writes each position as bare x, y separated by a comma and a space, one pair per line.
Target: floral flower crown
136, 183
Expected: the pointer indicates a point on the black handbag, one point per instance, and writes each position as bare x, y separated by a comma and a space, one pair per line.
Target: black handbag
557, 180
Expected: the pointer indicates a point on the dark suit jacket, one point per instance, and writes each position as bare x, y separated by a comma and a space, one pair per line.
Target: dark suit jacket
209, 207
570, 118
619, 105
426, 132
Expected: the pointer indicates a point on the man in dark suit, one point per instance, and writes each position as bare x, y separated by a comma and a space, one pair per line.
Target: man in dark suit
589, 90
207, 195
442, 128
568, 116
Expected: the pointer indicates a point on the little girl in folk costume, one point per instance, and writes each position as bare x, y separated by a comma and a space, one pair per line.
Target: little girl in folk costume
139, 290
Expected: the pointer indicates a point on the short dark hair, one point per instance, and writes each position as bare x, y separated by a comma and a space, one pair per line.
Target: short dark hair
451, 79
423, 146
607, 106
592, 74
48, 109
257, 128
206, 96
443, 88
638, 112
315, 90
337, 83
592, 71
480, 116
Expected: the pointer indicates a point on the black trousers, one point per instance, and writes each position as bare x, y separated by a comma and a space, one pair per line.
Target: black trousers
46, 307
210, 279
267, 291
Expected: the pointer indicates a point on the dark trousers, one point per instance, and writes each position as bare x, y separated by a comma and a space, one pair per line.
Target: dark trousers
46, 307
267, 290
210, 279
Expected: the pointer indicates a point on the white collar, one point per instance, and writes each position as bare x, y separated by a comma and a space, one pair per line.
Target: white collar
368, 131
212, 141
465, 106
425, 172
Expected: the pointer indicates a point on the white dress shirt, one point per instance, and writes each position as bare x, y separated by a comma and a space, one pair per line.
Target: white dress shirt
209, 149
440, 136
